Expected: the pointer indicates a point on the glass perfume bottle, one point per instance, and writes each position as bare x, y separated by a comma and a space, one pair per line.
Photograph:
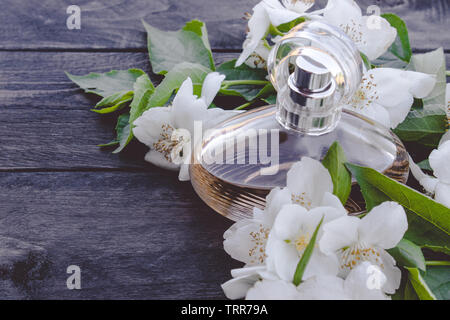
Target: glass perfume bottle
316, 70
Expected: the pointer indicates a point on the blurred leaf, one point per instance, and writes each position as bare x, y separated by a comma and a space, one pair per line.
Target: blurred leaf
419, 285
407, 254
174, 79
122, 122
107, 84
307, 253
244, 72
438, 280
424, 126
335, 161
169, 48
376, 186
143, 89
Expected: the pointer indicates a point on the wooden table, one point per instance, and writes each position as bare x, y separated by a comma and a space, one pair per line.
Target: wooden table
133, 229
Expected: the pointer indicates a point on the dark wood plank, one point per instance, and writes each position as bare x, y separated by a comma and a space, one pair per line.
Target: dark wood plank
139, 235
116, 23
46, 118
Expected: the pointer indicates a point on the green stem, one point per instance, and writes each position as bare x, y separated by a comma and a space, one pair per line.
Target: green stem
245, 105
437, 263
229, 83
447, 73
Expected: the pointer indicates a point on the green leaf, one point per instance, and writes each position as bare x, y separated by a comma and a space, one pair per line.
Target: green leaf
175, 78
143, 90
114, 102
169, 48
366, 61
419, 285
199, 28
426, 235
407, 254
377, 188
410, 293
424, 126
438, 281
244, 73
432, 63
335, 161
301, 266
272, 99
122, 122
286, 27
425, 165
401, 47
399, 54
107, 84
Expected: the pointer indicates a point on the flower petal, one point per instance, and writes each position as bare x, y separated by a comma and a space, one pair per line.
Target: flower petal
258, 25
184, 172
322, 288
282, 258
377, 35
211, 85
440, 162
275, 200
320, 265
338, 234
365, 282
159, 160
289, 221
299, 179
272, 290
442, 194
187, 108
237, 288
330, 200
244, 240
446, 136
384, 226
149, 126
392, 273
342, 12
373, 111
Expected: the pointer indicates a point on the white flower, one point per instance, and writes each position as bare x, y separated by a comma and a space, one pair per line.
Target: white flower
373, 35
357, 286
386, 94
244, 279
258, 59
440, 163
167, 131
308, 184
245, 240
270, 12
289, 237
357, 240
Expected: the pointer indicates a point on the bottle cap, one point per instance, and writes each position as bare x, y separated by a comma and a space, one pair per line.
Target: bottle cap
316, 69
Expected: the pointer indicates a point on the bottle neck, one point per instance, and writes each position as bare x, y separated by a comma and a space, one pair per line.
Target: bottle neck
303, 121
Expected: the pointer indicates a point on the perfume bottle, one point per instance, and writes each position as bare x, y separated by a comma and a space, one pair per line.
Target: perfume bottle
316, 70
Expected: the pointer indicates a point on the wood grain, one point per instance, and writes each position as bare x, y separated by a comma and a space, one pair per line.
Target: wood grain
46, 122
134, 235
115, 24
135, 231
